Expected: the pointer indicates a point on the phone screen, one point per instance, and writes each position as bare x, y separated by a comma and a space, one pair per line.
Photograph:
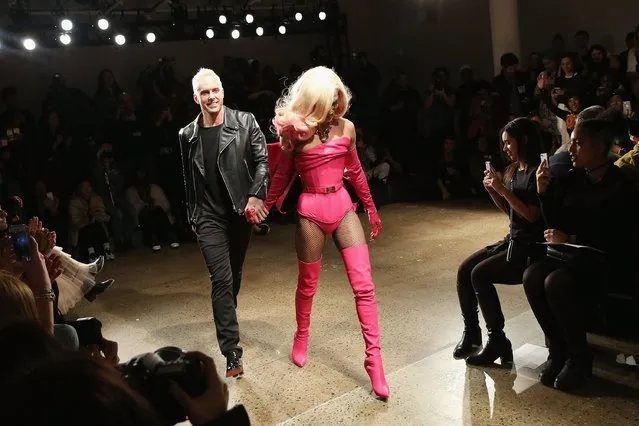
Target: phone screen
487, 165
21, 245
544, 157
627, 108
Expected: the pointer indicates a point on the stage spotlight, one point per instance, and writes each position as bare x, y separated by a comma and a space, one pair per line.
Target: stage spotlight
29, 44
210, 33
249, 18
322, 16
299, 16
235, 34
103, 24
259, 31
65, 39
222, 19
282, 29
66, 25
120, 39
150, 37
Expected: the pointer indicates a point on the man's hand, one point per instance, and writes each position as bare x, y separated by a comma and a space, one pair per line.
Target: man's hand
257, 212
555, 236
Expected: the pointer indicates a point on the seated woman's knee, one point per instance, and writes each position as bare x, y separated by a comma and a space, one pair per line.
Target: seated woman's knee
558, 282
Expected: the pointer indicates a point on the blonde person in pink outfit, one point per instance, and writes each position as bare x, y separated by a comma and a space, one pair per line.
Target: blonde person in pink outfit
318, 145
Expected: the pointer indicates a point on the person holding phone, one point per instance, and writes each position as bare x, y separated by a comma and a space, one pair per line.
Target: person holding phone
503, 262
579, 209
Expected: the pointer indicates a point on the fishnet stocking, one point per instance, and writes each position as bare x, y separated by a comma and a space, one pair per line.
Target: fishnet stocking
309, 241
349, 232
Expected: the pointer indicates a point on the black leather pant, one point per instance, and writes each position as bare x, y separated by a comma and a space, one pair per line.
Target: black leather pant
476, 280
223, 242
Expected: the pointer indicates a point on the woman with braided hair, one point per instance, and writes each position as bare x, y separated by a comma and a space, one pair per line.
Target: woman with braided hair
318, 145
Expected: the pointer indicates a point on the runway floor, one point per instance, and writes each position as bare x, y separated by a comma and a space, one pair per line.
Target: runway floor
163, 299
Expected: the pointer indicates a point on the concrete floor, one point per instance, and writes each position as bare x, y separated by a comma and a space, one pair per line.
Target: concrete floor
164, 299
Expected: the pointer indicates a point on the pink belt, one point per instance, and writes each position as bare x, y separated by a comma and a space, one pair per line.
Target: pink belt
324, 190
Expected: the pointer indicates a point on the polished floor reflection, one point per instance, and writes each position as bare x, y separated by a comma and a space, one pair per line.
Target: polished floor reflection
163, 299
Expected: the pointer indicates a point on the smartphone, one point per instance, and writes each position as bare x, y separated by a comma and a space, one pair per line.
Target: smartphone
627, 108
544, 157
488, 166
21, 245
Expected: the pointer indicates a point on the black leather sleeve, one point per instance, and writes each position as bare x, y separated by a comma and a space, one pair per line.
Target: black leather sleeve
185, 169
260, 159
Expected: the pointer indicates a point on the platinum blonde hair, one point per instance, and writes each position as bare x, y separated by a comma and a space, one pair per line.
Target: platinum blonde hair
204, 73
318, 96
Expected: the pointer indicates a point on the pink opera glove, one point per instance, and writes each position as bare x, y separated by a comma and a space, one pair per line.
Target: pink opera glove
357, 178
280, 181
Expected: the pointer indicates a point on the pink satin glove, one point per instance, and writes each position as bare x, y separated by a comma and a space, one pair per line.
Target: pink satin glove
376, 224
284, 168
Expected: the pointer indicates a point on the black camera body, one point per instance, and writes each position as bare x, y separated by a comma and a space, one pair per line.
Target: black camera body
150, 375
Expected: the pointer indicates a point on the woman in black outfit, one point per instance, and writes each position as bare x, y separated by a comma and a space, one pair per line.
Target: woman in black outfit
505, 261
582, 208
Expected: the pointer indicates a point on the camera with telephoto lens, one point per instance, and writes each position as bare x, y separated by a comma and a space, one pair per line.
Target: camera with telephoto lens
150, 375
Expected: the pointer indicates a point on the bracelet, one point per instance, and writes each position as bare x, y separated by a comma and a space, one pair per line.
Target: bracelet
47, 294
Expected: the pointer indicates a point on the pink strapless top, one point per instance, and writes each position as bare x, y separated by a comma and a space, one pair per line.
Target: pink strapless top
323, 165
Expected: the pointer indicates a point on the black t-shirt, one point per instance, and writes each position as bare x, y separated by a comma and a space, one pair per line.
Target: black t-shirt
216, 196
524, 186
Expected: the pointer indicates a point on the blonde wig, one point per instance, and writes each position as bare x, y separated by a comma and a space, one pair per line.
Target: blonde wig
317, 97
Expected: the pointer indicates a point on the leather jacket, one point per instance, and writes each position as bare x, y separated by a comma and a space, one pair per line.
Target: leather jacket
241, 160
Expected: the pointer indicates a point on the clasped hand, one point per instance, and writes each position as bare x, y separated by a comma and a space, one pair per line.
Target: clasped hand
255, 211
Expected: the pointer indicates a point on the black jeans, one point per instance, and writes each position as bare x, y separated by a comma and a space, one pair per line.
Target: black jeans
93, 235
560, 295
476, 280
223, 242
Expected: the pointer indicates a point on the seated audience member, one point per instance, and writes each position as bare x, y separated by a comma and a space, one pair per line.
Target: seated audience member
560, 163
367, 154
153, 212
73, 389
453, 179
89, 222
505, 261
580, 208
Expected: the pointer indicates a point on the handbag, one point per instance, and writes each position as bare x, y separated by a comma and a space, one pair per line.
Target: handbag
571, 253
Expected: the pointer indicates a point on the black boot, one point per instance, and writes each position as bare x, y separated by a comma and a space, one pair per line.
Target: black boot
98, 289
234, 367
469, 344
574, 373
497, 346
554, 364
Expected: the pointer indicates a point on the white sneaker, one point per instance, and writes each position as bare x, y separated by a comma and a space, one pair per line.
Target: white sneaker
156, 247
175, 245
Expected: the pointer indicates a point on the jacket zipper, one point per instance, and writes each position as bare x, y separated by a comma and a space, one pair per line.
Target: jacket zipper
224, 178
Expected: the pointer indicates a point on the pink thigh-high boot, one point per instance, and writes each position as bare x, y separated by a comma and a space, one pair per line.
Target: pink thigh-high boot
358, 269
306, 289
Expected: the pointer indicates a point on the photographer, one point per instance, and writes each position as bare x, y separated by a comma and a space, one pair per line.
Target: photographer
71, 389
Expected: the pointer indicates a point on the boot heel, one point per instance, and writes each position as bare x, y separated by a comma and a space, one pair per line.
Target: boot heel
496, 348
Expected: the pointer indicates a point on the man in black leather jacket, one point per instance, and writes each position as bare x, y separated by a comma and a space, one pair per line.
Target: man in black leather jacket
225, 174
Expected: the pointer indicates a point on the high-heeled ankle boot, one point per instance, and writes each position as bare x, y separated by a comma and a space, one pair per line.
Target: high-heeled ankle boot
497, 346
358, 269
306, 289
96, 266
98, 289
469, 344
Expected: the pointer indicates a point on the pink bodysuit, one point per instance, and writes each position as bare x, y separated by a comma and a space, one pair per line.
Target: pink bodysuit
324, 200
